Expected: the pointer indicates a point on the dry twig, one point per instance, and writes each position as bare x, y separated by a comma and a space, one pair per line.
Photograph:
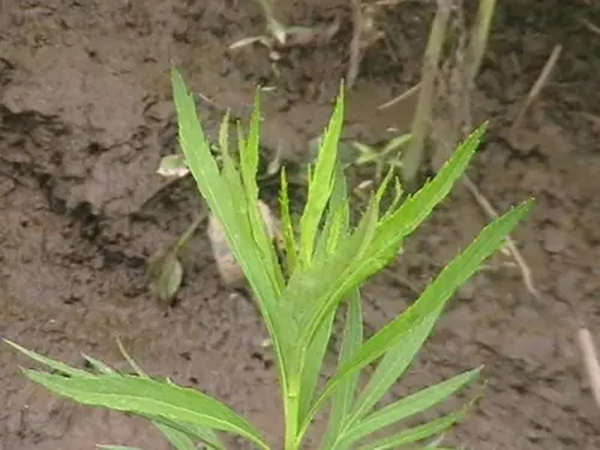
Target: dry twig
511, 247
589, 25
537, 86
364, 34
355, 53
408, 93
590, 359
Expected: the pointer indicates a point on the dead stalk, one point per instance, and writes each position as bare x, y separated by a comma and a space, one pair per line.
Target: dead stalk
414, 154
479, 36
511, 247
590, 359
537, 86
406, 94
355, 53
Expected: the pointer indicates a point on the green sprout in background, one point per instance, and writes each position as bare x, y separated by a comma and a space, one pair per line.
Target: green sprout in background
326, 262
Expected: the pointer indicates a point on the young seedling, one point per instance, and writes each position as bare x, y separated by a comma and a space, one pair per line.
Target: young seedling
387, 157
279, 36
165, 270
326, 262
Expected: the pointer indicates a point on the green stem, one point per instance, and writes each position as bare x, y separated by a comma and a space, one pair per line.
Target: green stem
415, 152
292, 408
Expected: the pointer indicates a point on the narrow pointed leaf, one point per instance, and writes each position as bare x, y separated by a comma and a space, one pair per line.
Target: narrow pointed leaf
419, 206
407, 407
337, 221
249, 168
196, 148
312, 366
249, 152
311, 293
391, 367
145, 396
417, 433
336, 228
321, 183
224, 134
287, 229
231, 209
195, 432
224, 194
433, 299
395, 202
386, 241
55, 365
342, 401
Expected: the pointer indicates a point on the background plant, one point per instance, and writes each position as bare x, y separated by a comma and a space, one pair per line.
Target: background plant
469, 63
326, 262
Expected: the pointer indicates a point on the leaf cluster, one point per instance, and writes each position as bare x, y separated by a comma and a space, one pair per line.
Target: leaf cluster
326, 262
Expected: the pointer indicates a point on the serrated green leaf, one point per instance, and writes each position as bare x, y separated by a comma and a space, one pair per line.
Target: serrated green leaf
430, 304
55, 365
321, 183
335, 229
419, 206
416, 434
406, 407
249, 168
316, 297
145, 396
249, 152
228, 203
391, 368
287, 229
337, 220
398, 192
385, 242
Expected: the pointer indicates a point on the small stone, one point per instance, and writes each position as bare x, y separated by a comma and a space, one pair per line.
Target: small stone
568, 286
230, 271
554, 240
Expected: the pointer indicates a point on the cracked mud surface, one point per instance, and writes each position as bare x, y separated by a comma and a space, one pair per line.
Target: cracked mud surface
86, 115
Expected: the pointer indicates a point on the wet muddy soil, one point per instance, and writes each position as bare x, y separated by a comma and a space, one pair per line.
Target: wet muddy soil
86, 115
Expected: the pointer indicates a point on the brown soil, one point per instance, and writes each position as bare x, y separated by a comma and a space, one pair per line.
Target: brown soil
86, 114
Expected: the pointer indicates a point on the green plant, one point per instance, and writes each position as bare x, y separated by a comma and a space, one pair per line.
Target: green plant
386, 156
165, 270
326, 262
